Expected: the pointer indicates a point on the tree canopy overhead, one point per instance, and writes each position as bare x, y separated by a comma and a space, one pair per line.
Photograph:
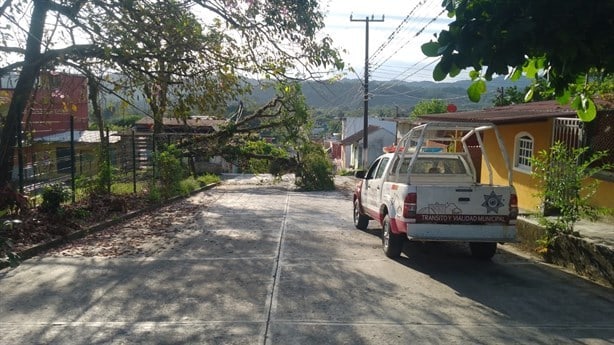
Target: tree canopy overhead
183, 55
568, 42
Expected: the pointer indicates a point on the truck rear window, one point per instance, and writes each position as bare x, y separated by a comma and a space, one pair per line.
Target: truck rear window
433, 165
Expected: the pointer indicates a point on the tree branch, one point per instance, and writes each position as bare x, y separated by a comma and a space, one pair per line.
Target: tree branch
12, 67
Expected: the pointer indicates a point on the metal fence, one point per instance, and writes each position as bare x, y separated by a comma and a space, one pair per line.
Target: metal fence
568, 131
40, 165
596, 135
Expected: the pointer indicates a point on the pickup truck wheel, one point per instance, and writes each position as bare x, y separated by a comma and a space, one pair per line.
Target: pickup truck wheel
483, 250
361, 221
392, 243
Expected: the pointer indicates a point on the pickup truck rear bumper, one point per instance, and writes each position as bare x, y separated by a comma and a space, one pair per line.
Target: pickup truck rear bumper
462, 232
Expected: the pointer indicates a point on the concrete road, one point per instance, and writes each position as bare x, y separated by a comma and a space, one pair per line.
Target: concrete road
268, 265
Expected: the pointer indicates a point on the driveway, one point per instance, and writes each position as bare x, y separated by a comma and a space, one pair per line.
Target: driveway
265, 264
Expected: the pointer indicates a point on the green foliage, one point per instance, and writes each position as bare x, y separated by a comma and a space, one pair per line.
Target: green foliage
476, 89
562, 175
208, 179
79, 213
53, 197
432, 106
561, 43
315, 170
170, 171
257, 166
186, 58
154, 194
104, 177
124, 188
508, 96
188, 185
261, 148
184, 186
285, 121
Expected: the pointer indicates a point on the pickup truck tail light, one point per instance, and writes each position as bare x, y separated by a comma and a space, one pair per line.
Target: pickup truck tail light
409, 205
513, 208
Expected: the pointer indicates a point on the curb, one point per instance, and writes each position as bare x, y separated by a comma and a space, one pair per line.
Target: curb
37, 249
590, 259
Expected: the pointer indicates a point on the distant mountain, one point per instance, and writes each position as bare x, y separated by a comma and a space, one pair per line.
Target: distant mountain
347, 94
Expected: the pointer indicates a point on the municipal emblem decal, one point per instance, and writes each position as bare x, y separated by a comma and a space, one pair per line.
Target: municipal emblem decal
492, 202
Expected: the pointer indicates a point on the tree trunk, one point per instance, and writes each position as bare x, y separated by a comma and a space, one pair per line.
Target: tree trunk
23, 89
94, 90
104, 171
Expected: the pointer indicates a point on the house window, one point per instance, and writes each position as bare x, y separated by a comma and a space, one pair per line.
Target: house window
524, 152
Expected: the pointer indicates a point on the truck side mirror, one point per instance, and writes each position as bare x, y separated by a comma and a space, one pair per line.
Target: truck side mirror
360, 173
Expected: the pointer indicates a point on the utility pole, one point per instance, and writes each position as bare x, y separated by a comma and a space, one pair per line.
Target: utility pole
365, 138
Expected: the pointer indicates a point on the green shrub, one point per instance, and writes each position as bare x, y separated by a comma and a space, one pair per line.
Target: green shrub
261, 148
104, 178
315, 170
170, 171
258, 166
561, 174
208, 179
53, 197
154, 194
189, 185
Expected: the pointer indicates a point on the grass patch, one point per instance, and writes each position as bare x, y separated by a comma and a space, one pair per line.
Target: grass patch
207, 179
123, 188
188, 185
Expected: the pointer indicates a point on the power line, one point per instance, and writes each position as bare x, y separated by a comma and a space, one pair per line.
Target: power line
396, 31
408, 41
399, 80
404, 31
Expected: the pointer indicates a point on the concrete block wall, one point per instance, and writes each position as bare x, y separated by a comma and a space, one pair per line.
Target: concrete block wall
587, 257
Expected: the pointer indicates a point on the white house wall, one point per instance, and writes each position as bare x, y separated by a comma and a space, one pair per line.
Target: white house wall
353, 125
377, 141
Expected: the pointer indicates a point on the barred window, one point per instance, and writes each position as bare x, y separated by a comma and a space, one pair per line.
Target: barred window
524, 152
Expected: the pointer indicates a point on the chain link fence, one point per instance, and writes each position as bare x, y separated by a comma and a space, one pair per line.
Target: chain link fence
600, 134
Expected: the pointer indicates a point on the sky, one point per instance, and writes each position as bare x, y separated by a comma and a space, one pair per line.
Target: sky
394, 44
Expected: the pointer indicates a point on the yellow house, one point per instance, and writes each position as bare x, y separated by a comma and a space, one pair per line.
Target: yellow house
531, 127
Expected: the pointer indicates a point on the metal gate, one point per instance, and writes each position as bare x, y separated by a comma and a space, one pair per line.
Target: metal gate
569, 131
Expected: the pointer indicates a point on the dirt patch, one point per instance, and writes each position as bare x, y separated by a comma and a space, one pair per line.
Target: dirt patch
144, 235
35, 226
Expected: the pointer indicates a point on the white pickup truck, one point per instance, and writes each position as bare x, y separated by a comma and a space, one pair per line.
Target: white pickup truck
427, 189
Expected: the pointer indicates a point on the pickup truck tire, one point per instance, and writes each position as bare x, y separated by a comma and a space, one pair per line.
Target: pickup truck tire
483, 250
361, 221
392, 243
